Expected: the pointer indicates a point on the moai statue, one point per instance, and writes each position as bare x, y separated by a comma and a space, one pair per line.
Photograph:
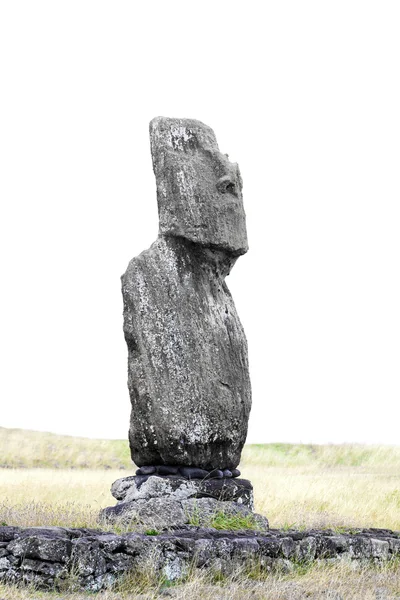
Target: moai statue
188, 374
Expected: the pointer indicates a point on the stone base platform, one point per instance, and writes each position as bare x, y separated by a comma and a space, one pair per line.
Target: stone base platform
169, 501
139, 487
48, 557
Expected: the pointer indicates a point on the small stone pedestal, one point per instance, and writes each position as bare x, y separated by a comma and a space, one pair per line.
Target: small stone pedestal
173, 501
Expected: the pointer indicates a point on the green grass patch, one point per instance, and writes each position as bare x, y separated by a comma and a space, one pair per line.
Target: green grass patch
225, 521
152, 532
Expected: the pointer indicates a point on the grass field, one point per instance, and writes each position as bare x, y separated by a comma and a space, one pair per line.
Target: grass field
48, 479
336, 582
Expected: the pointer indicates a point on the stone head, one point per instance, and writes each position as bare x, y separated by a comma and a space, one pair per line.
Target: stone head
199, 191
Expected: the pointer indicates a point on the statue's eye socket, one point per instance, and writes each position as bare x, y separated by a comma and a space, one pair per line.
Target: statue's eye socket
226, 186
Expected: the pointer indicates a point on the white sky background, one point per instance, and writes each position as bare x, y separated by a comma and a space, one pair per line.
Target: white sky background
305, 96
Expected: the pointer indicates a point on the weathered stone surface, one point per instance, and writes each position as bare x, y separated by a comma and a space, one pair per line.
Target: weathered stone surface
52, 569
4, 564
8, 533
44, 532
41, 547
175, 510
194, 473
98, 558
187, 354
146, 470
199, 191
88, 558
127, 489
154, 513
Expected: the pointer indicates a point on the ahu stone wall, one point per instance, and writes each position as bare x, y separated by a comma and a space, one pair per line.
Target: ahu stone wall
52, 557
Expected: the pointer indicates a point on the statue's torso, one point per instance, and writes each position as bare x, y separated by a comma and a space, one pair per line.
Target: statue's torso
187, 367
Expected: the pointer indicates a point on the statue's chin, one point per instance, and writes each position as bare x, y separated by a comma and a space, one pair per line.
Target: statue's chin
233, 246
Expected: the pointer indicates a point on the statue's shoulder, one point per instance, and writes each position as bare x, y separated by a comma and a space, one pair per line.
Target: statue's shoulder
144, 260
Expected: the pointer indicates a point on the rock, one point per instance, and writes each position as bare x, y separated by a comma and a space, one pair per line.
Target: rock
188, 372
88, 558
155, 513
288, 547
167, 470
98, 558
305, 549
43, 532
120, 563
154, 487
235, 490
379, 548
333, 595
146, 470
141, 479
186, 472
4, 564
111, 542
216, 474
8, 533
44, 568
231, 490
163, 513
194, 473
120, 487
41, 547
333, 545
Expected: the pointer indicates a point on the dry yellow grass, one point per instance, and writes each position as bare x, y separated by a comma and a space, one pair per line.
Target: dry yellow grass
22, 448
336, 497
325, 486
62, 497
297, 497
340, 581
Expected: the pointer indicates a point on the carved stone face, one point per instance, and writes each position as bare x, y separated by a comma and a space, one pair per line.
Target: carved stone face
199, 190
